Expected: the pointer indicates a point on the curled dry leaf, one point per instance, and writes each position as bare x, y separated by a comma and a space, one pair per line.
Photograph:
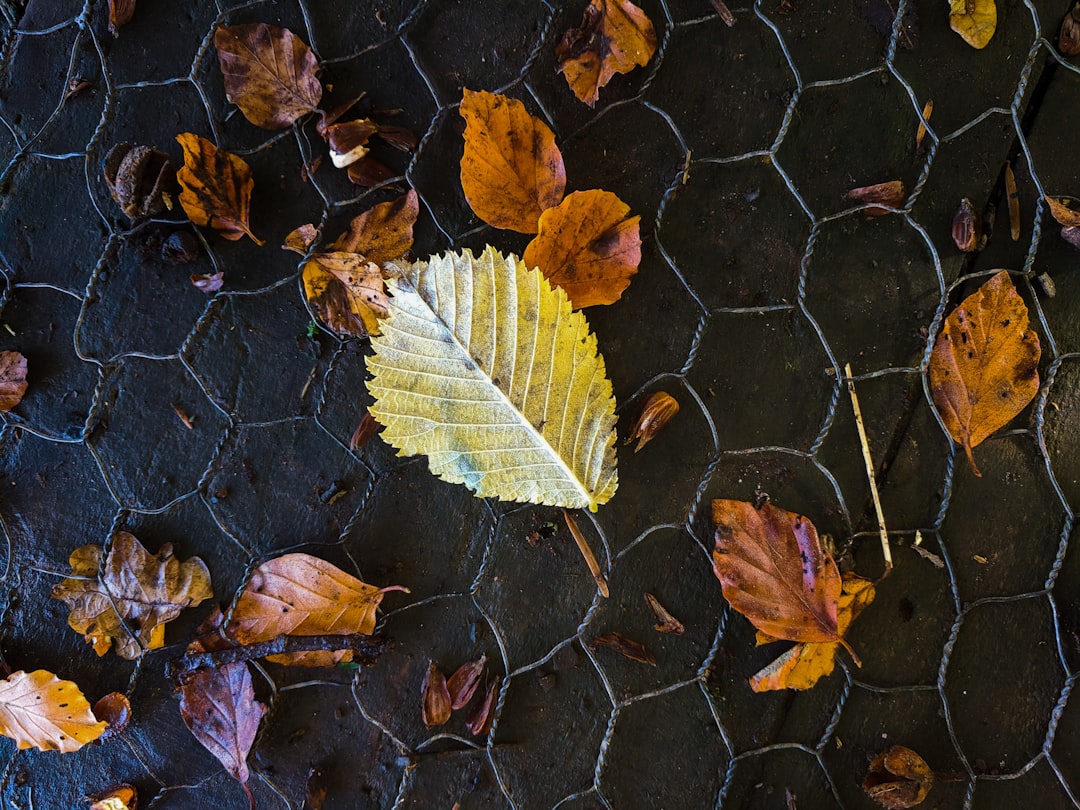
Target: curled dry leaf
1061, 212
269, 73
120, 14
659, 409
38, 710
301, 595
300, 239
615, 36
134, 596
139, 179
804, 664
588, 246
774, 571
479, 721
216, 187
899, 778
974, 20
626, 647
511, 170
985, 365
118, 797
463, 683
891, 194
667, 622
12, 380
434, 697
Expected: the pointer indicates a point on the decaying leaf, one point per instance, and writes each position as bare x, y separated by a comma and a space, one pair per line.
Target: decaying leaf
12, 380
804, 664
774, 571
300, 239
985, 365
588, 246
666, 622
659, 409
463, 683
626, 647
484, 368
479, 721
38, 710
139, 179
383, 233
118, 797
208, 283
301, 595
134, 596
891, 193
974, 20
434, 697
216, 186
1061, 212
615, 36
316, 789
269, 73
511, 170
346, 292
1069, 33
898, 778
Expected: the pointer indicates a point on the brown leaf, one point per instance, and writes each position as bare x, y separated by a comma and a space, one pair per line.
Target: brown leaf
898, 778
462, 684
139, 179
384, 232
300, 239
134, 596
985, 365
615, 36
301, 595
774, 571
1060, 211
804, 664
216, 188
588, 246
118, 797
434, 697
219, 708
12, 380
38, 710
269, 73
627, 647
120, 14
480, 718
368, 172
511, 170
974, 20
365, 429
891, 194
668, 623
346, 292
659, 409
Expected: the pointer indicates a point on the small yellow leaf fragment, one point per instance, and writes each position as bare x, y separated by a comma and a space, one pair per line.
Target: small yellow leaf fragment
927, 110
974, 20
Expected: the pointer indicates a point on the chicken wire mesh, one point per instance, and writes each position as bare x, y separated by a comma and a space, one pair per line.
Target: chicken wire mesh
758, 282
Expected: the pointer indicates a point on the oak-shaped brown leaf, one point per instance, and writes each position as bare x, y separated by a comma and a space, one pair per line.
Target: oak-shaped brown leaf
301, 595
1060, 211
346, 292
384, 232
12, 380
511, 170
38, 710
774, 571
804, 664
984, 367
134, 596
898, 779
615, 36
588, 246
269, 73
216, 187
974, 20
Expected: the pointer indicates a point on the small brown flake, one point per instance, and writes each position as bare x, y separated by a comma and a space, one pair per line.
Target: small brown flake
479, 722
891, 193
627, 647
725, 13
435, 697
120, 14
667, 622
183, 417
365, 429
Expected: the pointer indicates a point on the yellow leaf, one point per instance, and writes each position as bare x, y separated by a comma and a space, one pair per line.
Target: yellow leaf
39, 710
484, 368
974, 20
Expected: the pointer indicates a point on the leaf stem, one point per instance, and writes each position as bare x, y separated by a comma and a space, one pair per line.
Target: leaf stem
851, 652
586, 552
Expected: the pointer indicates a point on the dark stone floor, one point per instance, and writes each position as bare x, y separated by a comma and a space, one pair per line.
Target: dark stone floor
758, 282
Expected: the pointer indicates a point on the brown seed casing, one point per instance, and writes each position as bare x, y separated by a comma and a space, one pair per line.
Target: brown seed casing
462, 684
138, 178
967, 227
659, 409
365, 429
479, 722
666, 622
348, 141
1069, 35
435, 697
891, 194
120, 13
626, 647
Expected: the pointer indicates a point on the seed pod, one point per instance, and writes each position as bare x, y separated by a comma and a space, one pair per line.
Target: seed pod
1069, 35
348, 141
368, 172
967, 227
658, 410
898, 778
462, 684
139, 177
435, 697
479, 722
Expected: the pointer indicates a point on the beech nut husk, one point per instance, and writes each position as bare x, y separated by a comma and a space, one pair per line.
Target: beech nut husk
139, 177
967, 227
659, 409
348, 141
1069, 35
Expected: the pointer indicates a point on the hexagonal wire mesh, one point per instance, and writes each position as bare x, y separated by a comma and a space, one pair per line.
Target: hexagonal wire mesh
758, 282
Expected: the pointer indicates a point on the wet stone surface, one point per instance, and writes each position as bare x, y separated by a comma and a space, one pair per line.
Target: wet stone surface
222, 424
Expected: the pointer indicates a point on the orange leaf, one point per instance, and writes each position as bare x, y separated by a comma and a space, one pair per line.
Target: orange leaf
774, 571
985, 365
1062, 213
384, 232
511, 170
346, 292
300, 239
587, 246
898, 779
615, 36
269, 73
216, 187
12, 380
39, 710
301, 595
804, 664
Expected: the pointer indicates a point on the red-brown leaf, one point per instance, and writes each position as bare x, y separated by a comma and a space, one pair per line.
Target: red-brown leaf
626, 647
269, 73
384, 232
12, 380
774, 571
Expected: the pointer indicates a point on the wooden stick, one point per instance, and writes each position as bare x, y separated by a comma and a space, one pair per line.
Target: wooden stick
885, 550
365, 647
586, 552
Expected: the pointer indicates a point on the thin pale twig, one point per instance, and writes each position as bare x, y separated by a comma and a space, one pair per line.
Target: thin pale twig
586, 552
885, 550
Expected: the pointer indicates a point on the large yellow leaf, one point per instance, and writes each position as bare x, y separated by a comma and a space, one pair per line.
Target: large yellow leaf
484, 368
40, 710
